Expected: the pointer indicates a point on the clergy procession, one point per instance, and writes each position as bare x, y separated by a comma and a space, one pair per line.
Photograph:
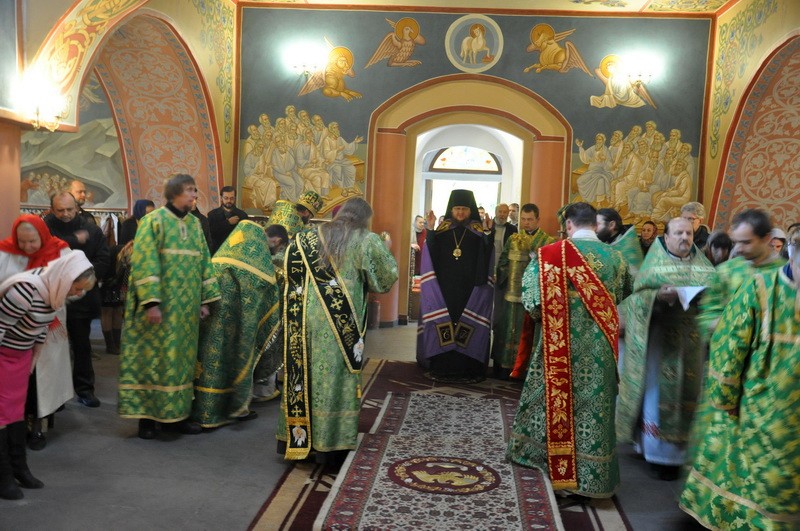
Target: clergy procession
685, 345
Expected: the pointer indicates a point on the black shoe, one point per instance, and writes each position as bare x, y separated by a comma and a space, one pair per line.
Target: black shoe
666, 472
27, 480
37, 440
147, 429
250, 415
187, 427
88, 399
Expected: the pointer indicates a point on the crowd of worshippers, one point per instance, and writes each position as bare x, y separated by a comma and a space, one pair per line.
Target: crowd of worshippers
685, 345
199, 338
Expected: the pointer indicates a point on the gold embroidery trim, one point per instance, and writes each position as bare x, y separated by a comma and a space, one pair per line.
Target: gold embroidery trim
149, 387
241, 265
183, 252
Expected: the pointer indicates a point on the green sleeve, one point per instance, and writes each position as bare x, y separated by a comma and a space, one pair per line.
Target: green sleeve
145, 276
731, 345
378, 266
210, 291
531, 292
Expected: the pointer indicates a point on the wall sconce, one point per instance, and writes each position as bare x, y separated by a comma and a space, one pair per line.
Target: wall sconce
41, 100
641, 68
47, 120
305, 58
305, 69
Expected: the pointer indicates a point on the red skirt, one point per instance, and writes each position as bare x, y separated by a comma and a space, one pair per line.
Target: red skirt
15, 368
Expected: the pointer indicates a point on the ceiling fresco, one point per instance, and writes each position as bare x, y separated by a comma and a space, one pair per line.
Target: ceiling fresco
578, 6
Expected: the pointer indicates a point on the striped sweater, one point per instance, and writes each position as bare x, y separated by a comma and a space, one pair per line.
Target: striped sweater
24, 317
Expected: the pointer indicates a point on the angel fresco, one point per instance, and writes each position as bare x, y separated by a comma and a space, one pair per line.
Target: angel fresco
331, 78
551, 55
398, 45
619, 89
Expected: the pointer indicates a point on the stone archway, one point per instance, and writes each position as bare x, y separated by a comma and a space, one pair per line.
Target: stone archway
461, 98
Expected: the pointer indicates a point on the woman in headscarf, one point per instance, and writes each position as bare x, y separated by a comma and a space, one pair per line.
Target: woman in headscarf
30, 246
28, 305
127, 229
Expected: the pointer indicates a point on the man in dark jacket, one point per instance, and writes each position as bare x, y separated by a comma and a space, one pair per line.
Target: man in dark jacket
65, 223
223, 219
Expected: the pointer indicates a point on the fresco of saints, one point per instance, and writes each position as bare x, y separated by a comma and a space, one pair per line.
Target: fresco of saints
475, 43
331, 79
595, 183
551, 55
398, 45
619, 89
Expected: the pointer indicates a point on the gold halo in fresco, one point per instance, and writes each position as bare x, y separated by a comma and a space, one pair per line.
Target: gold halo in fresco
607, 60
341, 51
540, 29
404, 23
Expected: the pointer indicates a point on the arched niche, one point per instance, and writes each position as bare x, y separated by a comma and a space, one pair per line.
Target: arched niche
450, 100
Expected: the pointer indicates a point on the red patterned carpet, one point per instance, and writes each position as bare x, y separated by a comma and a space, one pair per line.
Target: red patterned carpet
297, 500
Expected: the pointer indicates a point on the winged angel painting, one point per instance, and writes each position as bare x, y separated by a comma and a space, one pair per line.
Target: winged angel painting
552, 56
331, 78
398, 45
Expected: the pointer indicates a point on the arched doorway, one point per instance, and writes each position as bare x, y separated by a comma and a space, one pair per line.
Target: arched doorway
396, 126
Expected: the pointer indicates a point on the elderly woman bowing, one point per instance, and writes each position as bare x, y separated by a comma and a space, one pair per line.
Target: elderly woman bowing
28, 305
30, 246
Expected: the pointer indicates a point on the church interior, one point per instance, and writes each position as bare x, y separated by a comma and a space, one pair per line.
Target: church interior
121, 94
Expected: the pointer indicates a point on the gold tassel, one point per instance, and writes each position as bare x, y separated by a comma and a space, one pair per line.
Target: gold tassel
358, 390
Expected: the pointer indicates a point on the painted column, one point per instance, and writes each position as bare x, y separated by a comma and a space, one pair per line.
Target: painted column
387, 196
547, 181
10, 138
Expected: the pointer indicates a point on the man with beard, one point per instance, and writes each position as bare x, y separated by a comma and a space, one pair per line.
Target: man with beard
224, 218
610, 230
456, 296
751, 231
663, 364
65, 223
308, 205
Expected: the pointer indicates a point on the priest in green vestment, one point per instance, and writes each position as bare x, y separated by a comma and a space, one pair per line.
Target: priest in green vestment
508, 278
565, 425
171, 284
751, 233
661, 373
249, 308
746, 469
329, 271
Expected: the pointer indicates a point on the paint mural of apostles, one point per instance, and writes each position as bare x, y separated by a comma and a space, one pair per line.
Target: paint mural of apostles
331, 78
297, 154
552, 56
475, 43
398, 45
619, 89
642, 175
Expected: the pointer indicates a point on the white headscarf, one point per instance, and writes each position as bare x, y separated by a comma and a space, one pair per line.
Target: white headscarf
55, 280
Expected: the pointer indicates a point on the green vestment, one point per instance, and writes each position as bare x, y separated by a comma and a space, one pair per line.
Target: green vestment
746, 470
510, 267
229, 349
334, 390
271, 342
730, 275
594, 379
171, 266
655, 324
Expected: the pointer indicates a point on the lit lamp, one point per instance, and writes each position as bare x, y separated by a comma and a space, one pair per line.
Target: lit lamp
42, 101
305, 58
641, 67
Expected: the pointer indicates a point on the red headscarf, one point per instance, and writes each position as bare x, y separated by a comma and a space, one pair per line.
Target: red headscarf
50, 249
